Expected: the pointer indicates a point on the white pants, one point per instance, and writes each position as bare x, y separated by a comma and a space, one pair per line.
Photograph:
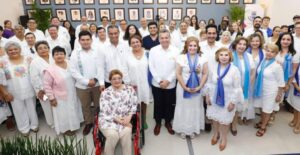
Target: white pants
47, 112
4, 112
112, 138
25, 114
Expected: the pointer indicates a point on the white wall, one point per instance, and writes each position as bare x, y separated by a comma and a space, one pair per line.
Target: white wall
11, 9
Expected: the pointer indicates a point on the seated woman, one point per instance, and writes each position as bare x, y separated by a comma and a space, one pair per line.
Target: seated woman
117, 105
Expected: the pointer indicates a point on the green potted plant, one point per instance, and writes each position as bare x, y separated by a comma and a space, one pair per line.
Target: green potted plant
236, 13
42, 16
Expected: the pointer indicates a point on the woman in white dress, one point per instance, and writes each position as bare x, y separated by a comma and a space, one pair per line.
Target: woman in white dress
191, 72
222, 95
244, 62
137, 73
256, 48
225, 40
268, 87
275, 35
59, 86
37, 67
19, 91
294, 100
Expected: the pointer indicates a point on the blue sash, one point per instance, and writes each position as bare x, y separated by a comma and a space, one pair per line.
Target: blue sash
220, 98
296, 92
287, 67
260, 54
149, 75
193, 80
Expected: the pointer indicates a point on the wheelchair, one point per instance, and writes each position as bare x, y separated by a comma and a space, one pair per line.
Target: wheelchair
138, 134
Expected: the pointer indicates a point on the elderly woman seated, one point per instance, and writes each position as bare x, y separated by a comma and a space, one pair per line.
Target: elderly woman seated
117, 105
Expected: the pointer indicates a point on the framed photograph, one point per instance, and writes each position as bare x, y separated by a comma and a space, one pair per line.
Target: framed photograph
133, 2
234, 1
104, 12
29, 13
118, 1
176, 13
89, 1
75, 14
90, 14
220, 1
191, 12
205, 1
248, 1
74, 2
177, 1
133, 14
61, 14
163, 12
148, 1
59, 2
162, 1
103, 1
29, 2
191, 1
148, 13
119, 13
44, 2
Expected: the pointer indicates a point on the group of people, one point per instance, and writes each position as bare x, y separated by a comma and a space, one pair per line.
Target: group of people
193, 80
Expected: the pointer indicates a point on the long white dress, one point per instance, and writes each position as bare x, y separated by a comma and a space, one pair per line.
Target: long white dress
293, 99
272, 79
4, 108
232, 92
137, 75
189, 112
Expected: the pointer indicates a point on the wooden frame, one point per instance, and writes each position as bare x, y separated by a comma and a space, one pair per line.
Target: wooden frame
104, 2
90, 14
234, 1
191, 1
104, 12
220, 1
89, 2
119, 13
191, 11
74, 2
205, 1
133, 1
148, 2
248, 1
133, 14
162, 1
177, 1
75, 14
29, 2
118, 1
45, 2
59, 2
163, 12
148, 13
177, 14
61, 14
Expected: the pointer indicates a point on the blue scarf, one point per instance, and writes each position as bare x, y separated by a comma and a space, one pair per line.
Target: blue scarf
237, 63
149, 75
287, 67
220, 98
296, 92
193, 80
259, 79
260, 54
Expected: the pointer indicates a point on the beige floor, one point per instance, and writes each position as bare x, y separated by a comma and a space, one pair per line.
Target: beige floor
278, 139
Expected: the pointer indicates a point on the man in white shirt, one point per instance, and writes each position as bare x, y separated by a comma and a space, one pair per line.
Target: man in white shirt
143, 29
76, 42
104, 21
172, 28
101, 40
32, 27
190, 28
162, 65
3, 40
123, 26
257, 22
62, 31
19, 36
84, 69
83, 22
297, 37
29, 49
181, 36
55, 40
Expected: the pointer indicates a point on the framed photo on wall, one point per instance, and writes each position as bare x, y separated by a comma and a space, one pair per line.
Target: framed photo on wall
103, 1
90, 14
220, 1
89, 1
75, 14
248, 1
104, 12
163, 12
191, 11
148, 13
162, 1
176, 13
29, 2
148, 1
133, 14
205, 1
133, 1
234, 1
59, 2
74, 2
61, 14
44, 2
119, 13
118, 1
29, 13
177, 1
191, 1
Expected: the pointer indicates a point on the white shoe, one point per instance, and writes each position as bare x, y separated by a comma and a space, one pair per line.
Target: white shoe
182, 135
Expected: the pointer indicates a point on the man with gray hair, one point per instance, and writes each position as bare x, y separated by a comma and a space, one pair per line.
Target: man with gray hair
143, 29
19, 36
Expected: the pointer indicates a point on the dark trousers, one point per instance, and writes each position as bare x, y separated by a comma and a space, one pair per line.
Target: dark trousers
164, 104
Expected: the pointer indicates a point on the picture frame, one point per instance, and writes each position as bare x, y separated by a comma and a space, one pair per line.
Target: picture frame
29, 2
89, 2
176, 14
90, 14
220, 1
29, 12
163, 12
61, 14
148, 13
104, 12
133, 14
59, 2
205, 1
191, 1
162, 1
234, 1
148, 2
74, 2
75, 14
103, 1
118, 1
133, 1
191, 11
119, 13
177, 1
248, 1
45, 2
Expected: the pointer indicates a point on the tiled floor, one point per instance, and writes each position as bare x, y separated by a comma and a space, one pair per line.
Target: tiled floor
278, 139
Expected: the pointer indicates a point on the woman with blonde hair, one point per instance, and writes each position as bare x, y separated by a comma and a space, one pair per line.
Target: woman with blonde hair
225, 40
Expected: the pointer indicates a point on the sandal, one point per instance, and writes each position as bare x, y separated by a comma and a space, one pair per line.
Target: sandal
261, 132
258, 125
292, 124
296, 130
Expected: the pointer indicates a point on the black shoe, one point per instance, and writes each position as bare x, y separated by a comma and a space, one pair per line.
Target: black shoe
207, 127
